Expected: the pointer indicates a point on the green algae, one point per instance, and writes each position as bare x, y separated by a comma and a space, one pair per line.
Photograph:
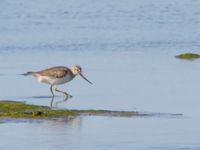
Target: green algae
23, 110
188, 56
13, 109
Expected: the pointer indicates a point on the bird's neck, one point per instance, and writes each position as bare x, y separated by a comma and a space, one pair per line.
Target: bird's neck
72, 74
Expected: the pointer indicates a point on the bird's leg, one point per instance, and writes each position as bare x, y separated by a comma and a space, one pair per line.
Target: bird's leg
65, 93
51, 104
51, 89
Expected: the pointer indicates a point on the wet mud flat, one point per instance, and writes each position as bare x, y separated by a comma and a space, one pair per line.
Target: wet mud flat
20, 110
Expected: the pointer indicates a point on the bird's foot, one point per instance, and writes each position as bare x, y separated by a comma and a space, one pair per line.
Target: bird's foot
67, 96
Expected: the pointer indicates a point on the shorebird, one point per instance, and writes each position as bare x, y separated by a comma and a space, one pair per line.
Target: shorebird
56, 76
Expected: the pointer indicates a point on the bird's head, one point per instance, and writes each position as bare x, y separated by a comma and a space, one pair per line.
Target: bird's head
76, 70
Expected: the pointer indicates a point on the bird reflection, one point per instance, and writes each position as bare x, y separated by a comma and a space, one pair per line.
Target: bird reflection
58, 102
70, 120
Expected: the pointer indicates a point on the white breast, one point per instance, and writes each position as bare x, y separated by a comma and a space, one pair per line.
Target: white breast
54, 81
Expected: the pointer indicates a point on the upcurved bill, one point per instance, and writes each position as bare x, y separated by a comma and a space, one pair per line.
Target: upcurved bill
85, 78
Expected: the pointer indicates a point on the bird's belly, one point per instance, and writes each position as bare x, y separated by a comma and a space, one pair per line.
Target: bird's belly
44, 79
54, 81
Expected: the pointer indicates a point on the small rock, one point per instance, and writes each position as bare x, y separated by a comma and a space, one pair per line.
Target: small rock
37, 113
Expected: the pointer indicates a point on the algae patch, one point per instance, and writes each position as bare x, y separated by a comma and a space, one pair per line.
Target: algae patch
13, 109
23, 110
188, 56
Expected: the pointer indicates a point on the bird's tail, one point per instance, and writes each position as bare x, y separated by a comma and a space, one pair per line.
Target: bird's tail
28, 73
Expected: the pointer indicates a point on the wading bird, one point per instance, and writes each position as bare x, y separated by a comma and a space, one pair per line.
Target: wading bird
56, 76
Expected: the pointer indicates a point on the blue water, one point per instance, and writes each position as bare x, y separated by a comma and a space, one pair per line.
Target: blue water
126, 48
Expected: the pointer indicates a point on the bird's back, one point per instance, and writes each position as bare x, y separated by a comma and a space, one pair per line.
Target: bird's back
55, 72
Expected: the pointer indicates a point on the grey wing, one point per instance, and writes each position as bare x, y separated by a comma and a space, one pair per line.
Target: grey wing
55, 72
58, 74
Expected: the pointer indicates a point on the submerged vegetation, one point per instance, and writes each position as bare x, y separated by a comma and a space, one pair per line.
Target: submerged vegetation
10, 109
188, 56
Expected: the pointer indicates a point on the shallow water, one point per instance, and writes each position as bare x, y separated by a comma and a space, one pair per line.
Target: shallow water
102, 133
126, 48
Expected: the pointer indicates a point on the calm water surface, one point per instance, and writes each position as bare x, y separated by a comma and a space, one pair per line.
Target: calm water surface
126, 48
